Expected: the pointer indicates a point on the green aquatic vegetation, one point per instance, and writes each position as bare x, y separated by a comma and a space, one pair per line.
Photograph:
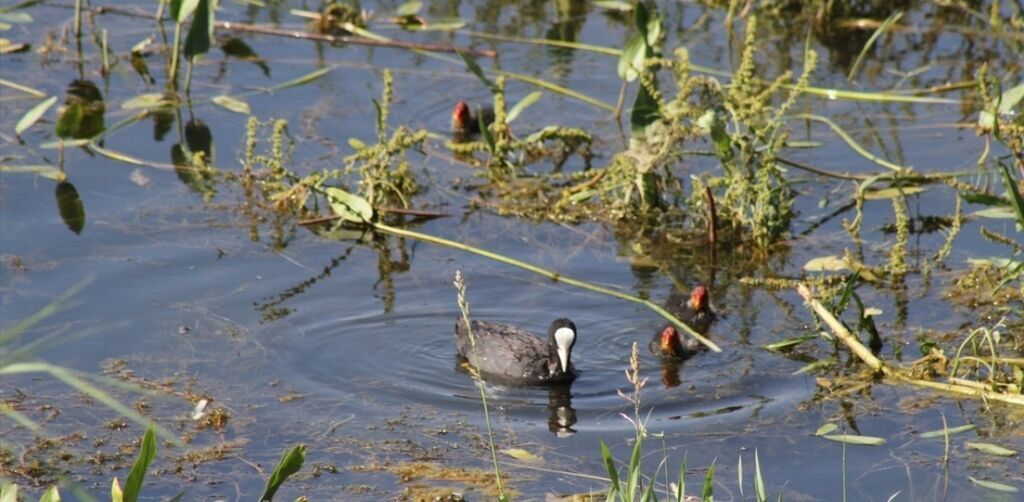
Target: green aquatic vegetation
384, 174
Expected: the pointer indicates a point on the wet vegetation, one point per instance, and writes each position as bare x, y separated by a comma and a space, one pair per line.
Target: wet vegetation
797, 147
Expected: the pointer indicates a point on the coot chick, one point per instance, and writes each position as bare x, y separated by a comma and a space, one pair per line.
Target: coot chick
465, 122
518, 356
697, 314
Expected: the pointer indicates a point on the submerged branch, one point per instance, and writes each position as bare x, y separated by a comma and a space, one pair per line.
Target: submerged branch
899, 374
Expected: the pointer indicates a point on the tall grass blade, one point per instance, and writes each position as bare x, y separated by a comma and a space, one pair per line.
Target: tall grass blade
681, 486
61, 302
147, 452
609, 464
884, 27
1015, 197
707, 492
290, 463
50, 495
759, 491
475, 69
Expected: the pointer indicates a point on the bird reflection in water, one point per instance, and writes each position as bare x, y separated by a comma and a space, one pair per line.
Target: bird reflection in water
562, 415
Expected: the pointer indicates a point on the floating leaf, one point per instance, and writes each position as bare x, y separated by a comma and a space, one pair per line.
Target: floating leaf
200, 34
807, 368
16, 17
356, 144
992, 485
991, 449
439, 25
521, 454
613, 5
42, 170
983, 199
70, 206
825, 429
305, 79
831, 263
33, 115
789, 343
530, 99
290, 463
348, 206
944, 432
855, 439
891, 193
146, 101
999, 213
8, 47
142, 45
408, 8
232, 104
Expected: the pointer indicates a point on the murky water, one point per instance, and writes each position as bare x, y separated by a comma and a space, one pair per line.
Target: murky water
347, 347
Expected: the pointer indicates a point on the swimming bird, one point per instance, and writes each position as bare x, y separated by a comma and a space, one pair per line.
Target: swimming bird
518, 356
697, 314
465, 122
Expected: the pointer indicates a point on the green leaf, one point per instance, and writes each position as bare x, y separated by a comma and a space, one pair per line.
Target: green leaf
998, 213
305, 79
789, 343
409, 8
825, 429
8, 492
232, 104
528, 100
521, 454
983, 199
707, 493
632, 58
892, 193
944, 432
70, 120
475, 69
348, 206
33, 115
609, 464
147, 452
1010, 99
50, 495
1015, 197
45, 171
70, 206
645, 112
290, 463
992, 485
146, 101
613, 5
182, 9
814, 366
16, 17
991, 449
116, 493
200, 34
830, 263
855, 439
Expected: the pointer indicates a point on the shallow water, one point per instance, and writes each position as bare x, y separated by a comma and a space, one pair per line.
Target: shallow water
347, 346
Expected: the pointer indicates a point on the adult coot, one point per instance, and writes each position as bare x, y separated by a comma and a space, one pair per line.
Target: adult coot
697, 314
518, 356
